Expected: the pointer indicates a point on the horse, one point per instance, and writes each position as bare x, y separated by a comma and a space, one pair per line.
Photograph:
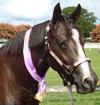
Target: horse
55, 43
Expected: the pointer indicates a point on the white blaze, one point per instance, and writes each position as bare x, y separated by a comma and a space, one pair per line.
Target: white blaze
84, 66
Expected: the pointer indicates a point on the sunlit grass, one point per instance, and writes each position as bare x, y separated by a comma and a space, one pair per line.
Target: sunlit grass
63, 99
94, 56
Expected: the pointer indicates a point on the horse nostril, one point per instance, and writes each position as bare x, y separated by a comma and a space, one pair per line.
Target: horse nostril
88, 83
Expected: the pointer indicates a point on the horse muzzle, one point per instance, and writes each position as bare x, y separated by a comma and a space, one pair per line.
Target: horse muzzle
88, 86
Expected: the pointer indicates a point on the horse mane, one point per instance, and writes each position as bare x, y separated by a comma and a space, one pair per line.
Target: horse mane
15, 45
37, 34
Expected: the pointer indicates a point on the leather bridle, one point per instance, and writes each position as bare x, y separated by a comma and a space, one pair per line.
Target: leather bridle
68, 68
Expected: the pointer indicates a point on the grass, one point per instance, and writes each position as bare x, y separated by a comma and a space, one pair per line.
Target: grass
94, 56
63, 99
52, 78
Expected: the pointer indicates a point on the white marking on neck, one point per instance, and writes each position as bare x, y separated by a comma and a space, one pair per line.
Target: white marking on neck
85, 66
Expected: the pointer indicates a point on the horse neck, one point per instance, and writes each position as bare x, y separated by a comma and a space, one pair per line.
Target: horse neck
37, 46
39, 59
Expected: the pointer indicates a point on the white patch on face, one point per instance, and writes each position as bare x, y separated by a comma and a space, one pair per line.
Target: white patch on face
81, 55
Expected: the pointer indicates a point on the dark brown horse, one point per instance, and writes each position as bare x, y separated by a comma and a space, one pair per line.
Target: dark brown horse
56, 43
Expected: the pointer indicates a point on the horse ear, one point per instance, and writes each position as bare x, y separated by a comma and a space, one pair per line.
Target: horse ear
56, 13
76, 13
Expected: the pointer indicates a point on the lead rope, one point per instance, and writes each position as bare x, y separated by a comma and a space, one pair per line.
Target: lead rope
70, 94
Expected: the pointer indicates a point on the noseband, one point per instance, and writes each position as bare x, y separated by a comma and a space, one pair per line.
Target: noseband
68, 68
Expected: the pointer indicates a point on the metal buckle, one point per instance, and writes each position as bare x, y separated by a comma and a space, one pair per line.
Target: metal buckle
68, 69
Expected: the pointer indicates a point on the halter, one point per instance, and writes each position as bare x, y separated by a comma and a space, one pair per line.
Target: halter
68, 69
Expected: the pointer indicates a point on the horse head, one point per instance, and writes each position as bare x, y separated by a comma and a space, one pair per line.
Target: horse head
66, 46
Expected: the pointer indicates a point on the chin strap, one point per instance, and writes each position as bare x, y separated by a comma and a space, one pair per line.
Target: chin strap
69, 87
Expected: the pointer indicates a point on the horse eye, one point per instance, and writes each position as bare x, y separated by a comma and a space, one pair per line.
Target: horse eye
63, 44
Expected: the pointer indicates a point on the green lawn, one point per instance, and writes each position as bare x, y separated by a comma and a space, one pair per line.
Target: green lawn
62, 99
52, 77
94, 56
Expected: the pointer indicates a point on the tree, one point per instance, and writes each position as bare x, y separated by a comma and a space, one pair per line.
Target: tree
95, 34
86, 21
9, 31
22, 27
